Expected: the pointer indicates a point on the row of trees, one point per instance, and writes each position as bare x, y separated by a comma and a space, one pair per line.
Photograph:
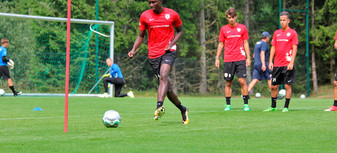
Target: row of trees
202, 20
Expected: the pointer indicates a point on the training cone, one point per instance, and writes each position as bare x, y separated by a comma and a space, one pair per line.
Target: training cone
37, 109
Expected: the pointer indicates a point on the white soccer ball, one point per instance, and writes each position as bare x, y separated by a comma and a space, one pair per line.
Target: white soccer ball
302, 96
111, 119
2, 92
258, 95
281, 94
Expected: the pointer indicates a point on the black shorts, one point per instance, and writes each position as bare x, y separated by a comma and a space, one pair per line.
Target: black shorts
281, 75
167, 58
238, 67
4, 72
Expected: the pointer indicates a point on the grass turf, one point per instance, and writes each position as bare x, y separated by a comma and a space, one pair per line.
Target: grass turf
305, 128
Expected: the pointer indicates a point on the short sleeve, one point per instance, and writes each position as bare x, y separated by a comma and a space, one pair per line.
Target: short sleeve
264, 47
245, 35
177, 20
294, 39
221, 35
142, 23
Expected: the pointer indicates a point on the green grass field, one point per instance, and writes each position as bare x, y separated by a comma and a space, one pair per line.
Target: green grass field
305, 128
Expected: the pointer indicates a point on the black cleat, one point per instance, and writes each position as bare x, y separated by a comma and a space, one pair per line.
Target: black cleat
17, 93
184, 115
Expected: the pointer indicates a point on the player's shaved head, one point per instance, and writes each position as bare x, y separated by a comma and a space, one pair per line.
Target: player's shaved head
4, 41
109, 61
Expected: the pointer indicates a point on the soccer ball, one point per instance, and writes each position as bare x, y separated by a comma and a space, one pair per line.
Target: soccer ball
111, 119
302, 96
281, 94
2, 92
258, 95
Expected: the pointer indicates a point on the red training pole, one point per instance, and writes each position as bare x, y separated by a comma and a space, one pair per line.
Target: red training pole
67, 68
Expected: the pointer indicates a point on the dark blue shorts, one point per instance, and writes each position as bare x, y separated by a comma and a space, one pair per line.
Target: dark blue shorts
261, 75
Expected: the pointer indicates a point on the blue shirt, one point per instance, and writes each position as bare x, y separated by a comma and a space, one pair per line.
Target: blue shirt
115, 71
261, 46
3, 52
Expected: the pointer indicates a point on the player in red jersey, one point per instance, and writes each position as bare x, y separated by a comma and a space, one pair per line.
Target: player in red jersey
234, 38
160, 23
334, 106
284, 48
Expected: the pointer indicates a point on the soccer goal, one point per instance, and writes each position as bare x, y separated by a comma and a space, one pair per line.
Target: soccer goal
38, 47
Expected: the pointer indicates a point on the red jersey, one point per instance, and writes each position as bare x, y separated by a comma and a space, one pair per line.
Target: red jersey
160, 29
336, 36
283, 42
233, 38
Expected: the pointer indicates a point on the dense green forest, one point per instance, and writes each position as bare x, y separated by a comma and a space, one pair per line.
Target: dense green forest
194, 71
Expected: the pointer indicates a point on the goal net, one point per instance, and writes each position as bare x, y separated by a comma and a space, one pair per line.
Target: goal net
37, 45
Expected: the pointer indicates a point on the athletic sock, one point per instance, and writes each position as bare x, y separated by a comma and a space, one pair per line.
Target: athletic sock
228, 100
12, 88
159, 104
273, 102
245, 99
181, 108
335, 103
286, 104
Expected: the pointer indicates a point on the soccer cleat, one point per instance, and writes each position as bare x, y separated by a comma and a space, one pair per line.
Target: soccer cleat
228, 108
105, 95
270, 109
159, 113
184, 115
130, 94
285, 110
332, 108
17, 93
246, 107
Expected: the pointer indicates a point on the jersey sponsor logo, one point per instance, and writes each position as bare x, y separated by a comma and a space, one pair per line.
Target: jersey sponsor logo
167, 16
151, 19
232, 36
228, 31
278, 35
160, 26
288, 34
239, 29
282, 39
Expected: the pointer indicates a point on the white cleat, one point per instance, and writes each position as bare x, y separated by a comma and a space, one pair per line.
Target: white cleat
130, 94
105, 95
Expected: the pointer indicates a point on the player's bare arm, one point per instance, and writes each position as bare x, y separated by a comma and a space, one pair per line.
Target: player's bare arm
262, 55
176, 38
272, 53
291, 64
336, 44
218, 53
137, 43
246, 46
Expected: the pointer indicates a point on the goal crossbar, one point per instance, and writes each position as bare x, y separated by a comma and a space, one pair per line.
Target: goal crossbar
44, 18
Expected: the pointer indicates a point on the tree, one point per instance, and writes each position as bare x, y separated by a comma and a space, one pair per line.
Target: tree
203, 81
